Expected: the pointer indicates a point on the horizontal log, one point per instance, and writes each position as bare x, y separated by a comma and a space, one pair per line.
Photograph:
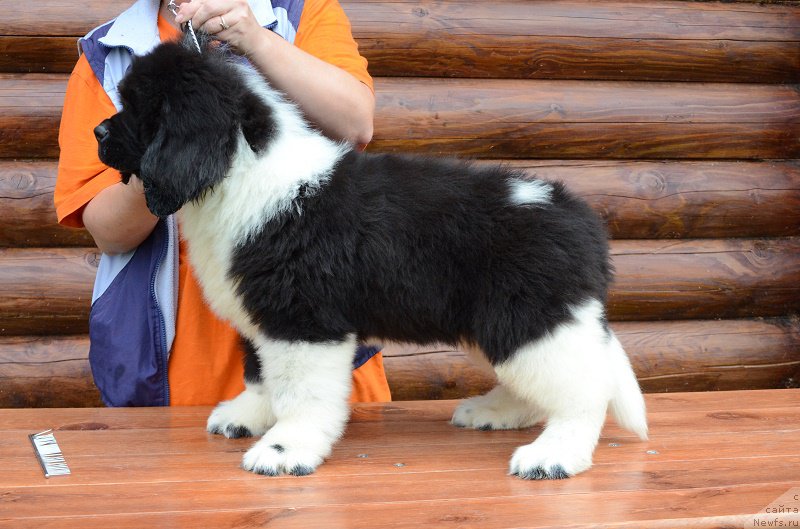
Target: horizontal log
61, 18
666, 200
510, 118
639, 200
46, 372
38, 54
585, 119
657, 40
667, 357
683, 18
30, 115
690, 41
700, 279
48, 291
26, 197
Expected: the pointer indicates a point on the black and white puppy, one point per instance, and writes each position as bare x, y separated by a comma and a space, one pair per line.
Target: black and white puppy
308, 247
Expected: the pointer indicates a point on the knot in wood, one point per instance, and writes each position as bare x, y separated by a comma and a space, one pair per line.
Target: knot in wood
93, 259
651, 183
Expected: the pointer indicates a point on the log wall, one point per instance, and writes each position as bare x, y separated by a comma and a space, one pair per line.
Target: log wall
678, 121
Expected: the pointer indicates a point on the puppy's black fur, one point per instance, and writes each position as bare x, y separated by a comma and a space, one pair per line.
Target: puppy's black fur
422, 250
392, 247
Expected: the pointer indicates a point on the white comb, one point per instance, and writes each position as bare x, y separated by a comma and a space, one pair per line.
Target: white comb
49, 454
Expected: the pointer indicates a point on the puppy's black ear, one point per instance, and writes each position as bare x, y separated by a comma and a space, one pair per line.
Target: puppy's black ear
191, 152
258, 125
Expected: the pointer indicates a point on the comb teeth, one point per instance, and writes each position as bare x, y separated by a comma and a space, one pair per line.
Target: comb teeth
49, 454
173, 7
190, 29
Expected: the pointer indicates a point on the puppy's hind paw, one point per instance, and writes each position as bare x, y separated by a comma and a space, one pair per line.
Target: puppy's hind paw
497, 410
540, 472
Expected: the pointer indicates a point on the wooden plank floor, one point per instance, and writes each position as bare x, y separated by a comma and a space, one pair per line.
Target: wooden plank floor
713, 460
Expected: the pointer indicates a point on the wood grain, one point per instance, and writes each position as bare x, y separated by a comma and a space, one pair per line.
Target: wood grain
495, 513
657, 41
46, 372
30, 113
58, 17
38, 54
586, 119
743, 19
26, 195
732, 278
713, 460
46, 291
678, 200
689, 41
397, 445
73, 419
424, 485
510, 118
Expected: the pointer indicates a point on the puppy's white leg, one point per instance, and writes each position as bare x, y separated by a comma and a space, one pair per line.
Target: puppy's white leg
247, 415
499, 409
569, 376
309, 384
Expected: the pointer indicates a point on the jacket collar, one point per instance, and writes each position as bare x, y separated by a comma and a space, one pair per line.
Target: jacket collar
137, 27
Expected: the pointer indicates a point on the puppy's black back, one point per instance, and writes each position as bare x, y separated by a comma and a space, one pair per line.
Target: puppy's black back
422, 250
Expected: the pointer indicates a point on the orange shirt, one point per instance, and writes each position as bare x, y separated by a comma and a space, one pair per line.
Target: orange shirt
205, 364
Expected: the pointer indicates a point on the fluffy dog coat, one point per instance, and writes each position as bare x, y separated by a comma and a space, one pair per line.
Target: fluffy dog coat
308, 247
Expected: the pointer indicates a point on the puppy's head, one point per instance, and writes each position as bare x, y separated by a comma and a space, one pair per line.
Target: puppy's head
182, 114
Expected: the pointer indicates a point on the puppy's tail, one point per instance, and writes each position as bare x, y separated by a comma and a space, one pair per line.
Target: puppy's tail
627, 403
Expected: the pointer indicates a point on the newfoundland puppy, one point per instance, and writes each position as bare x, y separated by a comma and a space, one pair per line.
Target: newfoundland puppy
308, 247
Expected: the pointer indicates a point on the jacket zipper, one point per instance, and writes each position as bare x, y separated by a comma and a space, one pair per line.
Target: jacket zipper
162, 325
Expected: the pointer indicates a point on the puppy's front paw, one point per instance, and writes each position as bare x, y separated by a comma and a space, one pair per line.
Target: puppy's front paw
247, 415
547, 460
276, 454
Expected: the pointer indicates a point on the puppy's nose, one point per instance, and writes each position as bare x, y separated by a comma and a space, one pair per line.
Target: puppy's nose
101, 131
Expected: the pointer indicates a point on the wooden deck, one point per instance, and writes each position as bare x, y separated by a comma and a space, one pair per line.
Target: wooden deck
721, 459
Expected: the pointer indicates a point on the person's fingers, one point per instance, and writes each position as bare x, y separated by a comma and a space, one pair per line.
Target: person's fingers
228, 20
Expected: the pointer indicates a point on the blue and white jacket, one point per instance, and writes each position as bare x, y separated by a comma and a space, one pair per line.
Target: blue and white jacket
134, 303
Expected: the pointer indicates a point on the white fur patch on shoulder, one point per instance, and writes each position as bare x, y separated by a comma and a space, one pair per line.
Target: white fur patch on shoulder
530, 192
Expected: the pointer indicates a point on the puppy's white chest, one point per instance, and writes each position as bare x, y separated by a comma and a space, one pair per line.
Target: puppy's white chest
210, 254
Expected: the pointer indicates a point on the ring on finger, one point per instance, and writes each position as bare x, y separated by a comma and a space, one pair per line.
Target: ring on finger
222, 23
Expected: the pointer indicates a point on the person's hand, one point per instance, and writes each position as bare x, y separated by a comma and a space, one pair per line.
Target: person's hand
231, 21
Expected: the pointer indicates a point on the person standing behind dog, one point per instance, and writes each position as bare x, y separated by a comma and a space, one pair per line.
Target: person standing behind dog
153, 339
